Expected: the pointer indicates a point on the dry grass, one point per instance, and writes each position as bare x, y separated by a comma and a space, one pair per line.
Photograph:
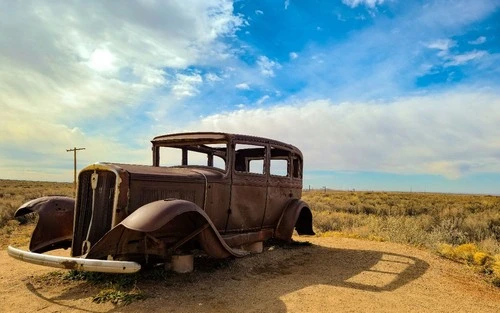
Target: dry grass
465, 228
461, 227
421, 219
13, 193
480, 261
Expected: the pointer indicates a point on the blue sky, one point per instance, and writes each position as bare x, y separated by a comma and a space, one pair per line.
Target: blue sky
378, 94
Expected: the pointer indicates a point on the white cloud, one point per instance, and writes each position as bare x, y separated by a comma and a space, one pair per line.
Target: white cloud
243, 86
461, 59
262, 99
101, 56
444, 45
48, 86
389, 58
21, 158
267, 66
441, 44
287, 3
340, 18
259, 12
186, 85
293, 55
150, 76
479, 40
368, 3
100, 66
432, 134
211, 77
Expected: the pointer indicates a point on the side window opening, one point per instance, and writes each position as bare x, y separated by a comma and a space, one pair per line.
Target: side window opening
256, 166
279, 165
250, 159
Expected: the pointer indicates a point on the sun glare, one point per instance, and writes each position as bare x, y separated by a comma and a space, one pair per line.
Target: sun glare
101, 60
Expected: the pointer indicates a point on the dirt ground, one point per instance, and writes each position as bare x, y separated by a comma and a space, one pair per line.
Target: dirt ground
331, 275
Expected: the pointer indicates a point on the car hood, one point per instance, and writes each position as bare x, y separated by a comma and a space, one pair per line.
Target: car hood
188, 173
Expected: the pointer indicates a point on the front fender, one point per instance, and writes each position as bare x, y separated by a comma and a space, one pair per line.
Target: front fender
54, 228
296, 214
166, 225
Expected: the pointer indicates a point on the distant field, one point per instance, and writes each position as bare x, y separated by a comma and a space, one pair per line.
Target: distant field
422, 219
460, 227
13, 193
465, 228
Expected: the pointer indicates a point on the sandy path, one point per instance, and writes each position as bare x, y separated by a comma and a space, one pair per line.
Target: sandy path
332, 275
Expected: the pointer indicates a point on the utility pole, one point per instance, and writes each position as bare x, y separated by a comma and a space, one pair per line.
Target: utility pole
74, 165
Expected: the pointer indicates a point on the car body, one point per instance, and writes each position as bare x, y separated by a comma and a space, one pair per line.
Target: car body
206, 192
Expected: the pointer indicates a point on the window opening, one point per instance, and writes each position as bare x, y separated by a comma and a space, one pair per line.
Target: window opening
279, 167
211, 155
250, 159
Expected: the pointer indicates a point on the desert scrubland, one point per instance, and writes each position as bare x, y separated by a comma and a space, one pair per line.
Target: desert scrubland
374, 251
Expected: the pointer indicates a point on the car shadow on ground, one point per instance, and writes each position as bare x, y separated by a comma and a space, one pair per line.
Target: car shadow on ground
70, 294
368, 270
260, 282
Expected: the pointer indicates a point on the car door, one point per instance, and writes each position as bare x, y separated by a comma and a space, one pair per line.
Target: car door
249, 187
281, 185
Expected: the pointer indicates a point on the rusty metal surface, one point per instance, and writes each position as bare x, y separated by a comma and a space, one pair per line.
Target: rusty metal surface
296, 214
168, 174
120, 210
70, 263
217, 137
54, 228
157, 229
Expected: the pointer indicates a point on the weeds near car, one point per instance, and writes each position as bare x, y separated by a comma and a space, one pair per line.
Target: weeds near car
119, 289
118, 297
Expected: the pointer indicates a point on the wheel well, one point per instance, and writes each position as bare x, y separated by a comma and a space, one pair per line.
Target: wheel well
304, 222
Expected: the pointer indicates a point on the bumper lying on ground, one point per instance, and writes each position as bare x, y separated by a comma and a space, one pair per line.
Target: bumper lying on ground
71, 263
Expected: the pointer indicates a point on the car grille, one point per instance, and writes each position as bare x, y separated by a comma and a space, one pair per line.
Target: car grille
101, 199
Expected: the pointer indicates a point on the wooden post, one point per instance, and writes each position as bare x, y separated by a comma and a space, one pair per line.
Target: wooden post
74, 165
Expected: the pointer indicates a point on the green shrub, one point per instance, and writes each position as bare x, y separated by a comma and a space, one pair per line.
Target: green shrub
118, 297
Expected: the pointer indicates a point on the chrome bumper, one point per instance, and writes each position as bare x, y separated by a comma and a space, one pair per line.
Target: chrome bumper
71, 263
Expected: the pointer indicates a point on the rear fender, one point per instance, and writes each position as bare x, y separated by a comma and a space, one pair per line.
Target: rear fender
54, 228
296, 215
168, 224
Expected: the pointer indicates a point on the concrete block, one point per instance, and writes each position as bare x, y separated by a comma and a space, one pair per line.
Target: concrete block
182, 263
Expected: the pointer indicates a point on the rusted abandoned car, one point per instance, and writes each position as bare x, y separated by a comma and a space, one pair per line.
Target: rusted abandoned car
214, 193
